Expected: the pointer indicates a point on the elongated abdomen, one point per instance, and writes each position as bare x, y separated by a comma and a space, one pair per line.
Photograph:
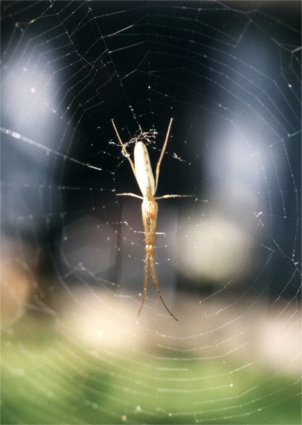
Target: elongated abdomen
143, 171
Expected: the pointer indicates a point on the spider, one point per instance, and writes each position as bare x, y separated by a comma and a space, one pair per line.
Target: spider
142, 170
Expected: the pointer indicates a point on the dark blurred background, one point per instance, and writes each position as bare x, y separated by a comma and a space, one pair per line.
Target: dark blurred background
228, 259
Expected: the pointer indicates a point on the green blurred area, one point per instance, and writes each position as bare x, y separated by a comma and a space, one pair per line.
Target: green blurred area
49, 379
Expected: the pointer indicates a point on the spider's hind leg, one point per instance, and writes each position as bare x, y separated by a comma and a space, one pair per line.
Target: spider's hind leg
145, 284
156, 285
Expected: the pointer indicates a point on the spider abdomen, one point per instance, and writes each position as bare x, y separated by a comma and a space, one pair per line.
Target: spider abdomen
143, 170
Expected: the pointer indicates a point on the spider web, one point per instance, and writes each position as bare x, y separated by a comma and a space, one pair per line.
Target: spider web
227, 258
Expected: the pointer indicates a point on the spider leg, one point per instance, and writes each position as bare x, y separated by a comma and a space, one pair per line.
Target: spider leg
173, 196
124, 149
133, 195
156, 285
157, 170
149, 222
145, 284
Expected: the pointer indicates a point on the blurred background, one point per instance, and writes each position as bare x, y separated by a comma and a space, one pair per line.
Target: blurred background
228, 258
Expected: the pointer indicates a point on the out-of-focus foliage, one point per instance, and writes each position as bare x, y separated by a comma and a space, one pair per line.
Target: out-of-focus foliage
50, 380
